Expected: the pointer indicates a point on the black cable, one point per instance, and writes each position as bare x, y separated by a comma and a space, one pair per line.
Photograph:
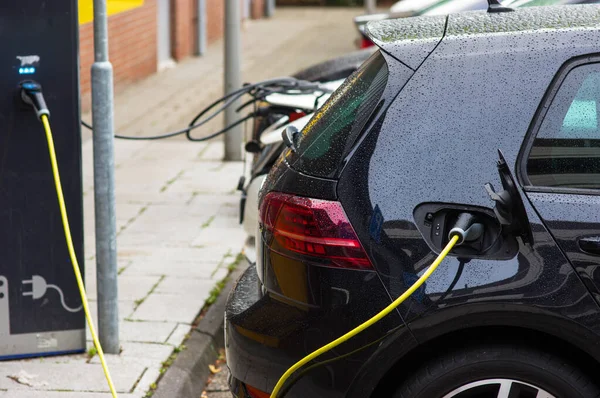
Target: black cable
230, 100
211, 136
257, 90
226, 129
461, 267
245, 89
191, 127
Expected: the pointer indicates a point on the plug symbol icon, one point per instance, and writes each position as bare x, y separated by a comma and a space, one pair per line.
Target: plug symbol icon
39, 287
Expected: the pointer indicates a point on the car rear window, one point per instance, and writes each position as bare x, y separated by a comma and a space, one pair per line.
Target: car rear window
334, 128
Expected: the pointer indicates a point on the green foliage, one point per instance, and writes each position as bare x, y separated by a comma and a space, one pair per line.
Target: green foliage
92, 352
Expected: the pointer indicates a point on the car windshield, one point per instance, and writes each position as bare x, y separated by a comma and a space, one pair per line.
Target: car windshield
335, 126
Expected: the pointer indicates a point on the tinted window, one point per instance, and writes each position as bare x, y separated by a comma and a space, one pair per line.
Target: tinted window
330, 134
566, 151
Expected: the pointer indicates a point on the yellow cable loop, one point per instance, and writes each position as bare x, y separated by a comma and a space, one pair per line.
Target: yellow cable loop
69, 239
369, 322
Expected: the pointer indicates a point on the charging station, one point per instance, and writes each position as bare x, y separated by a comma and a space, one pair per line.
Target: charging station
40, 306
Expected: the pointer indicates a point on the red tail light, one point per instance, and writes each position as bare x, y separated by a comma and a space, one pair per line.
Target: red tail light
256, 393
296, 115
366, 43
311, 230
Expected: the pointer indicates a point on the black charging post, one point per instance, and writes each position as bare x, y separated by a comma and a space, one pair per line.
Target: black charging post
40, 305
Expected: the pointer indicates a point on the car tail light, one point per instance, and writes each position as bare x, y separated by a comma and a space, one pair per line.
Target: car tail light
312, 230
296, 115
256, 393
366, 43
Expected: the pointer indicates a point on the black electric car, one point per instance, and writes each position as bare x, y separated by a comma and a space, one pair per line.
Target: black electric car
495, 114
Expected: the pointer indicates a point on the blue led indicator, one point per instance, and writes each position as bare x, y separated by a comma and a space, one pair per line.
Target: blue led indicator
26, 71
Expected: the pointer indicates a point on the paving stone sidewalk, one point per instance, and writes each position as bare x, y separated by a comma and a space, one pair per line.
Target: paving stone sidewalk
177, 209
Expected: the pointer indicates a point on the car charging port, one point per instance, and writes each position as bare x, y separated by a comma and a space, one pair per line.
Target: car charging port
479, 232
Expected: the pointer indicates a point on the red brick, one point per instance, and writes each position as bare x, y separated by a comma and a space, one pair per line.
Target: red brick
257, 10
182, 28
132, 48
133, 41
215, 14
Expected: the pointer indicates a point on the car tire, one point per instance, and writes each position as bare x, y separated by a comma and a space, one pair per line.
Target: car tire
472, 368
336, 68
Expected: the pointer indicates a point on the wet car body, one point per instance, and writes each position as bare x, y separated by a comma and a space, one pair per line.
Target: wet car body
404, 9
467, 85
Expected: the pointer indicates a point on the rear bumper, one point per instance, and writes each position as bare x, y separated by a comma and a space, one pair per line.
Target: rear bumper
265, 334
246, 343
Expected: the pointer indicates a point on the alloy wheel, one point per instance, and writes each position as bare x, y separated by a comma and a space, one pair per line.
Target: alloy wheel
499, 388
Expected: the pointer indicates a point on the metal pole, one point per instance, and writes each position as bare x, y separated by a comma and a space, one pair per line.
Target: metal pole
104, 184
269, 8
370, 6
202, 42
233, 81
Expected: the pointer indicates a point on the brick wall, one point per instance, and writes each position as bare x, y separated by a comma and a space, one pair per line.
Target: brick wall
132, 48
258, 9
183, 28
215, 13
133, 41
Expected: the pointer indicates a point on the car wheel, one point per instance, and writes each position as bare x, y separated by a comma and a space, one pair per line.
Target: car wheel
498, 371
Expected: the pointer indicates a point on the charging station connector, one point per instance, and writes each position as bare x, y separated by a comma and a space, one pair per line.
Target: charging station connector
466, 228
31, 94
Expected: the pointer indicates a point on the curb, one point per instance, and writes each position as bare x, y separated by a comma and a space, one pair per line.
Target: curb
186, 377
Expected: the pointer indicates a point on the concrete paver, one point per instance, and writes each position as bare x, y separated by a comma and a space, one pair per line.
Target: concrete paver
177, 210
130, 288
198, 266
150, 332
67, 376
192, 289
149, 377
166, 307
178, 335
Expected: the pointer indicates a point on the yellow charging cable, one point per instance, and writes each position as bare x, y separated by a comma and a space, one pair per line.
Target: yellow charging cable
370, 321
69, 239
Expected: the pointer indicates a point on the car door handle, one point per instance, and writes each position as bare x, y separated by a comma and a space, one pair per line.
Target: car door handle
590, 244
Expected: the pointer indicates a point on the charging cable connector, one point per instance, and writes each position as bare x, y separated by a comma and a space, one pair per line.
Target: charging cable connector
466, 228
31, 94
